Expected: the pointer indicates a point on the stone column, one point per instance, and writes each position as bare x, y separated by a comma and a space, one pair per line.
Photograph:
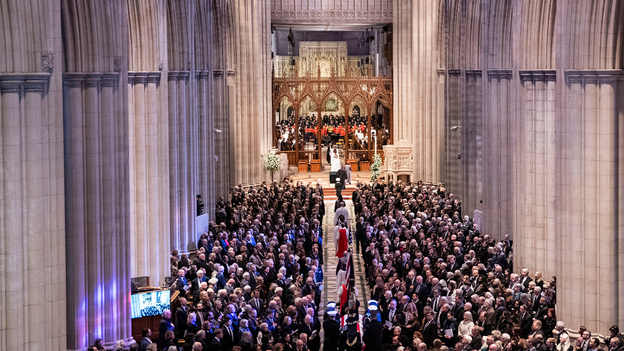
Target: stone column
97, 207
472, 150
148, 140
250, 107
587, 215
206, 169
32, 194
32, 245
534, 173
497, 118
149, 176
416, 116
182, 150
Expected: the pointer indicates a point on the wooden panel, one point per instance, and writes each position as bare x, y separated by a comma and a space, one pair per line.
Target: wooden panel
138, 324
354, 164
292, 159
303, 166
364, 166
315, 166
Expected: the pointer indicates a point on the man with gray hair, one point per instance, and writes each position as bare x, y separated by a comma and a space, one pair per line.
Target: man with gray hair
559, 330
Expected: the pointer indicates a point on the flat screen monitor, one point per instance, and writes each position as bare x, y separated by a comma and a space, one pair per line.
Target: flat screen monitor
151, 303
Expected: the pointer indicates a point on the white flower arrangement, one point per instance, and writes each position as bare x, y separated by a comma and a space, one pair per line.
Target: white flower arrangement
376, 167
272, 162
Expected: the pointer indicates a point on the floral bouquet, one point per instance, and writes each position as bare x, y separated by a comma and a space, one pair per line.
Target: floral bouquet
376, 167
272, 162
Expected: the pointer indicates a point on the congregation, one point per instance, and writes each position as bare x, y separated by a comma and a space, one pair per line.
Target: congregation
435, 282
256, 280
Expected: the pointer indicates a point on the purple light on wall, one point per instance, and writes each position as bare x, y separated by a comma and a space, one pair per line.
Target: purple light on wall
113, 295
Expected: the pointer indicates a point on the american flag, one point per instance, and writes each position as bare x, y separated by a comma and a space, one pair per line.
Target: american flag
350, 271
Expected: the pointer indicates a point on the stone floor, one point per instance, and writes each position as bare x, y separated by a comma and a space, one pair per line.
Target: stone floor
323, 177
329, 268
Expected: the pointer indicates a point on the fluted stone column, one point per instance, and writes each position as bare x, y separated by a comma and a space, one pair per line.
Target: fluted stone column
32, 245
534, 173
206, 169
97, 207
498, 116
250, 94
32, 193
587, 217
148, 129
182, 160
204, 46
416, 115
149, 176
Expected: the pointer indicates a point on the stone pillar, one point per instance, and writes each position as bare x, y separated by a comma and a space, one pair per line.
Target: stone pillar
222, 134
587, 216
472, 140
497, 118
250, 94
32, 246
416, 116
148, 140
206, 169
182, 161
97, 207
204, 39
149, 176
32, 194
534, 173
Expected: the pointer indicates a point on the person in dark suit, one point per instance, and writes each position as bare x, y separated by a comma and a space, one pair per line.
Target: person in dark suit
309, 287
525, 279
257, 303
181, 317
421, 289
536, 329
228, 339
164, 326
145, 341
220, 278
180, 282
360, 235
338, 184
342, 174
526, 320
332, 331
430, 330
216, 342
373, 331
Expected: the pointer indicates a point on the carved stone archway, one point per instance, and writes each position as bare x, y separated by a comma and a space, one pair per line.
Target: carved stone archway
347, 89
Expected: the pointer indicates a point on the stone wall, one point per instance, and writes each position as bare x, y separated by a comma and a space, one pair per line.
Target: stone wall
529, 131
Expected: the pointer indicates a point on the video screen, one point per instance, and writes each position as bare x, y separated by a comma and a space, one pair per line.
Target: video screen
151, 303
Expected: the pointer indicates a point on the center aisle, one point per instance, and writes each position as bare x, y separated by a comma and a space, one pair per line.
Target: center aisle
331, 261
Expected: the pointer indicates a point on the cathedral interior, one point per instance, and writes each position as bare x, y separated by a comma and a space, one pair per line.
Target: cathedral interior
116, 115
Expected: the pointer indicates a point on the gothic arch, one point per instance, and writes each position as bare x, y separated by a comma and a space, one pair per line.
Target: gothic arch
279, 98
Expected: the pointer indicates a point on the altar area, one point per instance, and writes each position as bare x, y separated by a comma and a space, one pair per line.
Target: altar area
324, 97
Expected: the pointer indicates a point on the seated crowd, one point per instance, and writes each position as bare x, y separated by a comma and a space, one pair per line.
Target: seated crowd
438, 283
255, 280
